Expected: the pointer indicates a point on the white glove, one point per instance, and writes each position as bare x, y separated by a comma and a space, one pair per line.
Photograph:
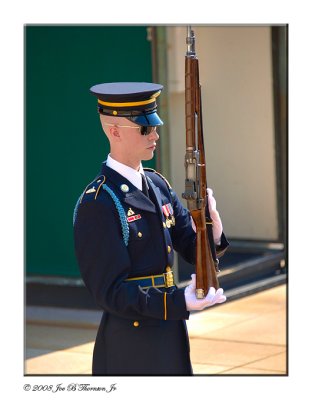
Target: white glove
217, 227
194, 304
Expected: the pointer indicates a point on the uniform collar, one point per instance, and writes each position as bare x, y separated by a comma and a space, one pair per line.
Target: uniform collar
129, 173
126, 190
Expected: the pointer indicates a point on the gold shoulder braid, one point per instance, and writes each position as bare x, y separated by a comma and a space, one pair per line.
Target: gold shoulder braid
159, 174
93, 187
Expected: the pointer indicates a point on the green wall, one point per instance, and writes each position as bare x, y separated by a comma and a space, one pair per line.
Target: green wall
64, 141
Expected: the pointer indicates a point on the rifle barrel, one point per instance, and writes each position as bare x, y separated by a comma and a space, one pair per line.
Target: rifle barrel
190, 41
195, 171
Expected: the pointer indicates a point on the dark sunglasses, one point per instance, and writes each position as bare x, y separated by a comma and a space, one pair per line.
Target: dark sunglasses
145, 130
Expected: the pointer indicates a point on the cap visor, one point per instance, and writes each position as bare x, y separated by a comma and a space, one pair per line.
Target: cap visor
151, 119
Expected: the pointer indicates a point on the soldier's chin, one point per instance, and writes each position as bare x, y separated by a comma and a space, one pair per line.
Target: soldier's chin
149, 156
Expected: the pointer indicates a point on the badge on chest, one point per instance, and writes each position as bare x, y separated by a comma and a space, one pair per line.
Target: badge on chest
168, 213
131, 216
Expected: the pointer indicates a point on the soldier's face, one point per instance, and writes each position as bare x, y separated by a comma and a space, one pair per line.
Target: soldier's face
126, 140
140, 146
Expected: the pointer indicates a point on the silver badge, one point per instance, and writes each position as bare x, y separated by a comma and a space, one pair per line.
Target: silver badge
92, 190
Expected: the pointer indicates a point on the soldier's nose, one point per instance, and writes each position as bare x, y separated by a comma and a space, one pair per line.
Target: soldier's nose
153, 135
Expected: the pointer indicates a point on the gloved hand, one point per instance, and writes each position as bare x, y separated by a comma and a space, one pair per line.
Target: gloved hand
217, 227
194, 304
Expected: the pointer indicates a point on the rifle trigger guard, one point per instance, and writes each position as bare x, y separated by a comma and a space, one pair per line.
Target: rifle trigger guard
216, 263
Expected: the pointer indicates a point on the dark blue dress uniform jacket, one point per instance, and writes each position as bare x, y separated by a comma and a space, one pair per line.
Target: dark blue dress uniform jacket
142, 331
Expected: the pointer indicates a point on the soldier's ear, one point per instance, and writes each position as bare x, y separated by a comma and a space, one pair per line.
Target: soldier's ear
114, 132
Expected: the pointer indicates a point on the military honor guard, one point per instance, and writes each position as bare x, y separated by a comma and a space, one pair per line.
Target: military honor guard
127, 222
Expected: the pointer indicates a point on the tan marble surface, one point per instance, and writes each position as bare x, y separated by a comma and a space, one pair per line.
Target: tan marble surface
243, 337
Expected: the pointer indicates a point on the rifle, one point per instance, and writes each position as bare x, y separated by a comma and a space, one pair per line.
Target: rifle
195, 167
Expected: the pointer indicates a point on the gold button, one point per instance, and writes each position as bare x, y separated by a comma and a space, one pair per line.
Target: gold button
169, 249
164, 224
115, 112
140, 234
136, 324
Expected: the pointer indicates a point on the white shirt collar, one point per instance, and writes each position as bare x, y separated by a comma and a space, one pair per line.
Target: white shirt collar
127, 172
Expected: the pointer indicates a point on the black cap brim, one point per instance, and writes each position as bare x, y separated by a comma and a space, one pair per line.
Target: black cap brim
151, 119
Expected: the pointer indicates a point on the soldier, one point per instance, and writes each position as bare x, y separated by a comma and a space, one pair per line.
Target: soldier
126, 224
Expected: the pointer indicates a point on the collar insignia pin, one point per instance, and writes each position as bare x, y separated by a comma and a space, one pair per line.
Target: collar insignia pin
124, 188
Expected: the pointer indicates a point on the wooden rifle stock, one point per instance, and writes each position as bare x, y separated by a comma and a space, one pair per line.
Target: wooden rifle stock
195, 167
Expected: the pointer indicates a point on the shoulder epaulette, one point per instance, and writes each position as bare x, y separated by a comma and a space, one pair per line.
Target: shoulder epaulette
93, 188
160, 175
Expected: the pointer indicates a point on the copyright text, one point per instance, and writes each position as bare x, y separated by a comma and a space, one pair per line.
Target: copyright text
72, 387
